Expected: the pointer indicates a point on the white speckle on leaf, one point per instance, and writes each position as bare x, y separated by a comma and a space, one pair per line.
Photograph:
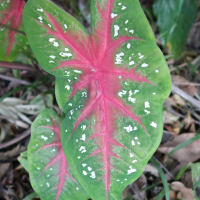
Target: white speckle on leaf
136, 91
77, 71
84, 164
84, 94
49, 25
77, 188
128, 46
146, 111
63, 54
125, 179
131, 155
154, 93
119, 4
51, 61
131, 170
40, 18
116, 29
43, 137
76, 140
65, 25
144, 65
153, 124
41, 10
131, 63
70, 104
138, 143
126, 29
71, 112
83, 127
55, 44
133, 143
52, 56
133, 100
66, 49
52, 39
83, 137
157, 71
38, 168
36, 145
93, 175
113, 15
68, 87
78, 157
51, 169
119, 58
134, 161
147, 104
89, 169
47, 184
123, 92
82, 149
126, 21
131, 31
84, 173
123, 7
128, 128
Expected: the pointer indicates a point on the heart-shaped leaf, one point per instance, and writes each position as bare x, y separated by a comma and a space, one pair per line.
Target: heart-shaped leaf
49, 171
111, 85
11, 41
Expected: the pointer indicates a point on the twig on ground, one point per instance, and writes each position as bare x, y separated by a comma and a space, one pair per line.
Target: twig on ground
186, 96
15, 65
16, 140
22, 82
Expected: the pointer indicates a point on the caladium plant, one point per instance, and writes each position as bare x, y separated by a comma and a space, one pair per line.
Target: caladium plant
111, 85
11, 30
50, 174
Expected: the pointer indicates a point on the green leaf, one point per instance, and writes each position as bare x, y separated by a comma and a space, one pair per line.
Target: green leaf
50, 174
110, 84
196, 180
164, 180
174, 19
24, 160
30, 196
11, 41
183, 144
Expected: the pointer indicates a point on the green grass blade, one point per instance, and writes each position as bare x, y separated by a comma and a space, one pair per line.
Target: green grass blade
187, 142
182, 171
164, 180
160, 195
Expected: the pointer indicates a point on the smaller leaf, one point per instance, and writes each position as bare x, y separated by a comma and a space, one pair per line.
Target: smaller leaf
49, 171
30, 196
24, 160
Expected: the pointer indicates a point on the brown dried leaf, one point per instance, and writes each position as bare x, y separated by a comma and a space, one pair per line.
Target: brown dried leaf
186, 193
189, 153
179, 81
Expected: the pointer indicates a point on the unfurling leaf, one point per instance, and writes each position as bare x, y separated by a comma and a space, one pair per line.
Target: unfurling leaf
11, 38
111, 85
49, 171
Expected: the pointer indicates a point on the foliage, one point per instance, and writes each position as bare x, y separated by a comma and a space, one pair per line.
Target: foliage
174, 19
114, 82
12, 38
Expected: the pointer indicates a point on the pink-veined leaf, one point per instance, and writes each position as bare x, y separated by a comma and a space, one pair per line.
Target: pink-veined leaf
11, 42
111, 85
50, 174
